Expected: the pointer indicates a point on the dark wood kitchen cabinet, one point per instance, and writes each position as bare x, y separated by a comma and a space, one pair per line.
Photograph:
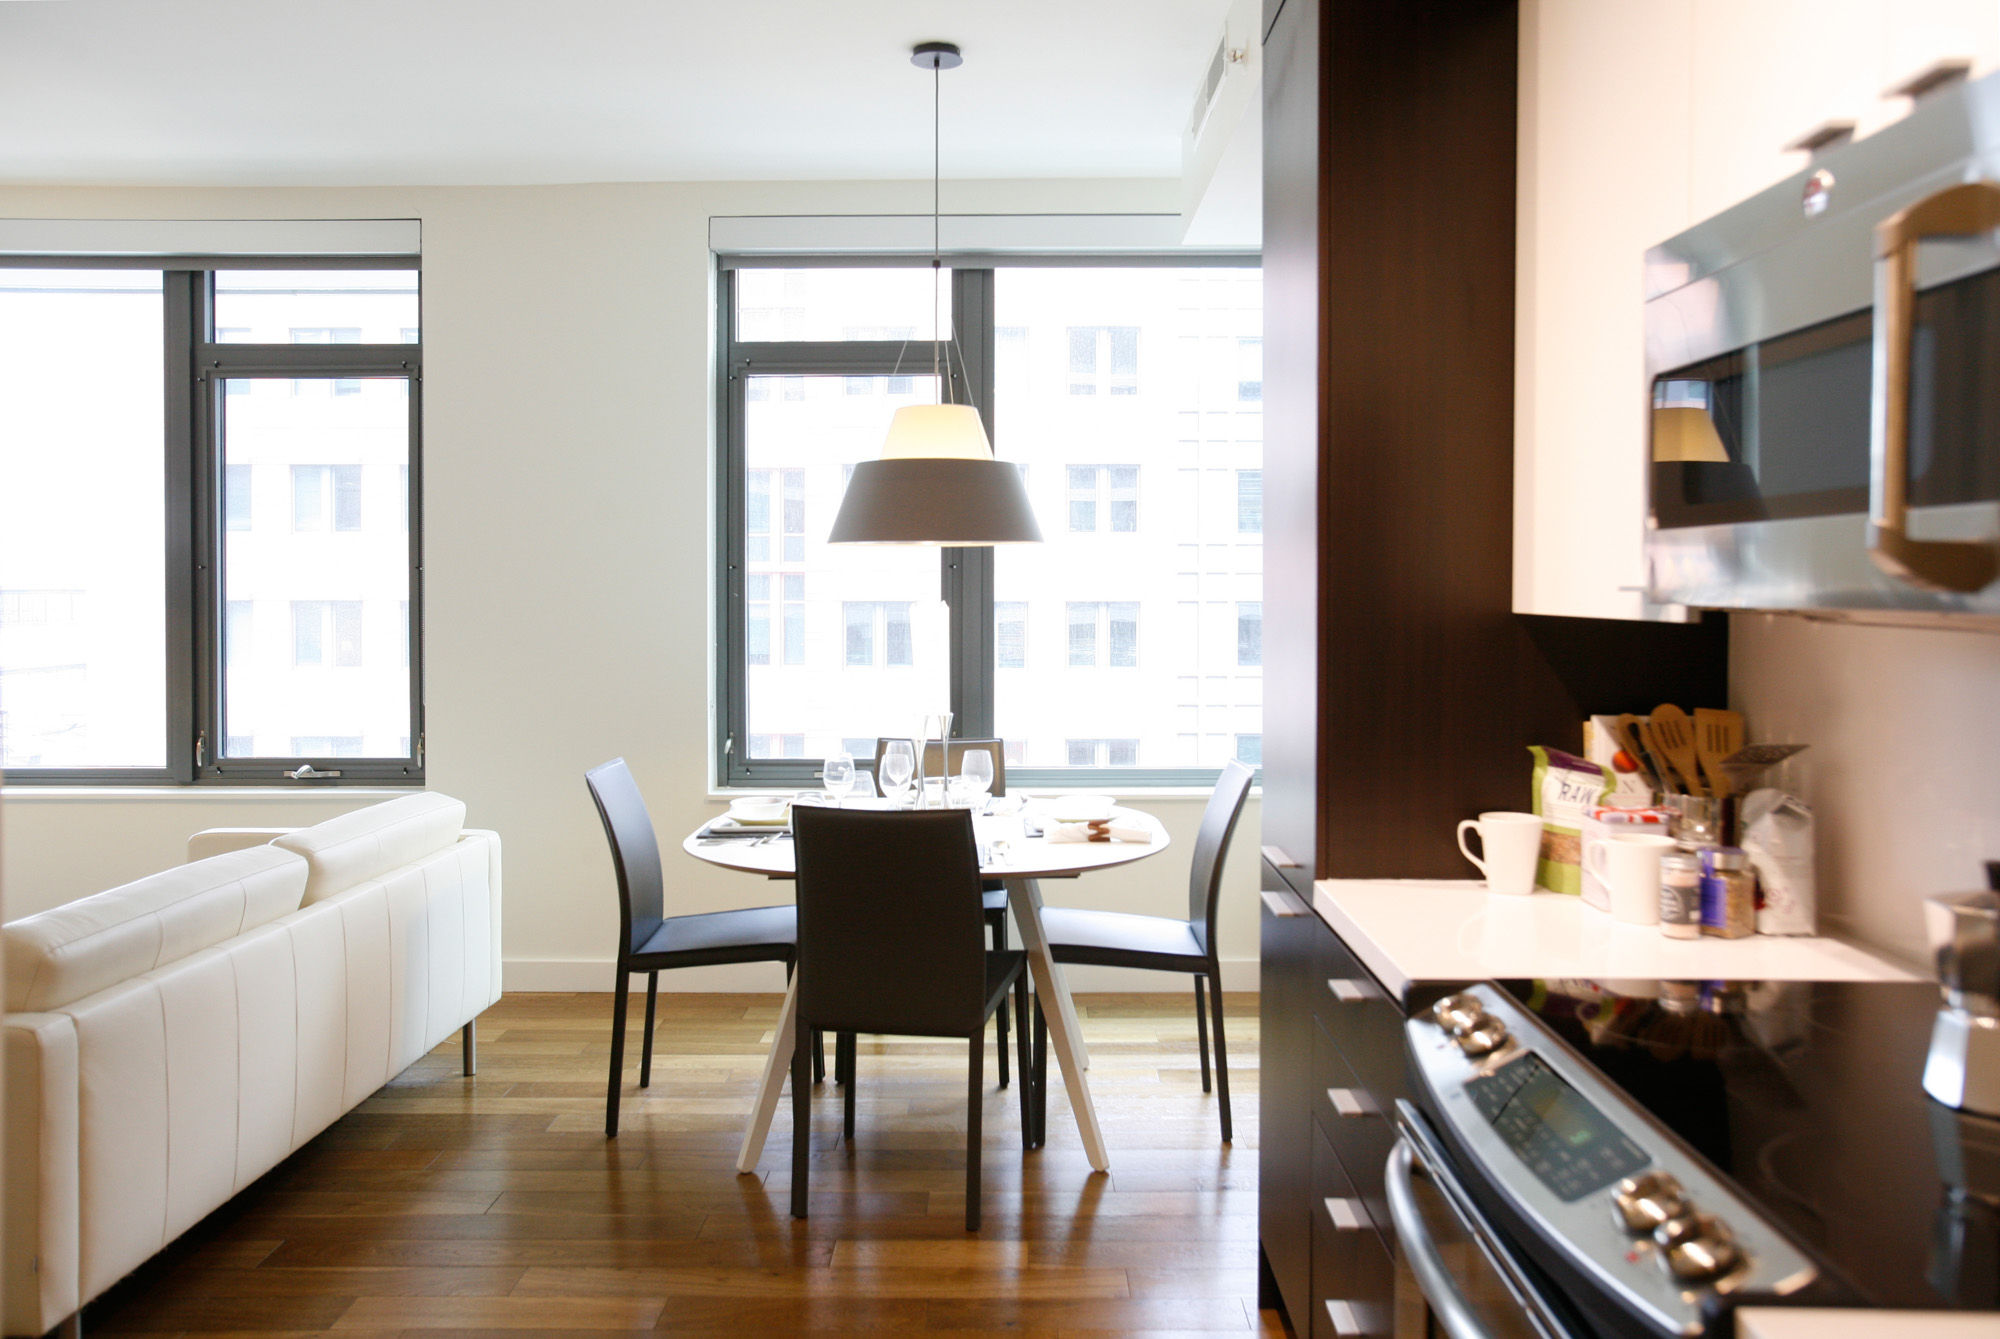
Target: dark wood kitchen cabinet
1401, 691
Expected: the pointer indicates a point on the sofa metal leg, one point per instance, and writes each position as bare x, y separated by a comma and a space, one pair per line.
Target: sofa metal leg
468, 1046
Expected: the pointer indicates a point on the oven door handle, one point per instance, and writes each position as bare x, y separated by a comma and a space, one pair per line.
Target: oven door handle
1967, 209
1414, 1235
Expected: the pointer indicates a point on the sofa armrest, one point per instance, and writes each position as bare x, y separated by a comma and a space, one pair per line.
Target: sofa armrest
221, 841
42, 1206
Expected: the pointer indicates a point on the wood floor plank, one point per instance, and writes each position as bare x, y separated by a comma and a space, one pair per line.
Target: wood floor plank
448, 1208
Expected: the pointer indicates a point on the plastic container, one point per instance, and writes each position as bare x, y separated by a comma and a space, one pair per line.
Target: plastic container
1680, 895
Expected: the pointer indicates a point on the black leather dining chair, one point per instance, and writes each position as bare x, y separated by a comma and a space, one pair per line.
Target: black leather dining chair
650, 941
939, 761
1164, 944
891, 941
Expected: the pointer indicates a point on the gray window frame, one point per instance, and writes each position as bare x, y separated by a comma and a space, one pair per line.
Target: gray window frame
197, 366
965, 575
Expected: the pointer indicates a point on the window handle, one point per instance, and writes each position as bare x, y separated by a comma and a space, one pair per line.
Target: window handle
307, 772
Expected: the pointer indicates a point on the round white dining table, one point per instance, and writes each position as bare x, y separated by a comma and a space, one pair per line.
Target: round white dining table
1014, 858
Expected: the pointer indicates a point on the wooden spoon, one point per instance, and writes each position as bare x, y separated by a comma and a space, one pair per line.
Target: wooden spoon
1717, 734
1673, 733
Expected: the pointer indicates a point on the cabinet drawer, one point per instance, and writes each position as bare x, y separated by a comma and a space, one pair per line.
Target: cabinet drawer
1356, 1121
1353, 1281
1337, 1096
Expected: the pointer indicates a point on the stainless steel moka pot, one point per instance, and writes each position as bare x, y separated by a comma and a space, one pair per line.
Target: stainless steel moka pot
1963, 1069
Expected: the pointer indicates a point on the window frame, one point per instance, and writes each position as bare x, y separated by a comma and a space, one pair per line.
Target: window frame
197, 365
965, 574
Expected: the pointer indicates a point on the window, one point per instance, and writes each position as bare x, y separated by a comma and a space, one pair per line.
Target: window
1010, 634
1249, 502
1104, 360
1250, 368
1250, 750
279, 573
777, 746
1250, 632
1057, 342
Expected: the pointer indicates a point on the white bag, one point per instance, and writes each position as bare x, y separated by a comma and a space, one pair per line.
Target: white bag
1778, 838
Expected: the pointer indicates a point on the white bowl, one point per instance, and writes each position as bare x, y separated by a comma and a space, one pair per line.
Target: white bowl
756, 809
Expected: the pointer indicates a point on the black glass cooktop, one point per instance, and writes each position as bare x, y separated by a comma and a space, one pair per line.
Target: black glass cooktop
1808, 1095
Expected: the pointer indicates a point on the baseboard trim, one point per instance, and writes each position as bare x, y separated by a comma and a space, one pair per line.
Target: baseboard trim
569, 975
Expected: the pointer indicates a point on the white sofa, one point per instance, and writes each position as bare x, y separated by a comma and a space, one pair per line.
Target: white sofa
170, 1041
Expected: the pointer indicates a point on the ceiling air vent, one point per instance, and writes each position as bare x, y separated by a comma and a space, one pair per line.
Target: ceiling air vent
1210, 83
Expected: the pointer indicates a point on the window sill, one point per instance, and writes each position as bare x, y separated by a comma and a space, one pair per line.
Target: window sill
16, 794
1137, 794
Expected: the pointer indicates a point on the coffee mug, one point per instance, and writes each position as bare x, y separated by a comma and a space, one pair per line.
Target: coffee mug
1511, 844
1628, 865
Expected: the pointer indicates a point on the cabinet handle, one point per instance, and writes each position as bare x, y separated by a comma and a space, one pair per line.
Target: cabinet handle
1942, 565
1351, 1101
1345, 1213
1284, 904
1343, 1317
1278, 859
1351, 992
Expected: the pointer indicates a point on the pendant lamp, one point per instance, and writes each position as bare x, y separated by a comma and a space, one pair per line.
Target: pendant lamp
936, 482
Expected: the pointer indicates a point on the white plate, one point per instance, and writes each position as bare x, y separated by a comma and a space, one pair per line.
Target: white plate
1078, 808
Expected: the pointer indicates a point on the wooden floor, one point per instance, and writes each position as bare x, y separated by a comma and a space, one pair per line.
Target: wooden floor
446, 1206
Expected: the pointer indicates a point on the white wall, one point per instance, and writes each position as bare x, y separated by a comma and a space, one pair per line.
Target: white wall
567, 456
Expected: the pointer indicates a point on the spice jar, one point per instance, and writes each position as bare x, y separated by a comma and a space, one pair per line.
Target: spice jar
1728, 893
1680, 895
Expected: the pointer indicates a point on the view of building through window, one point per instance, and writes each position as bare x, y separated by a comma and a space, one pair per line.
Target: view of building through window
82, 515
1131, 398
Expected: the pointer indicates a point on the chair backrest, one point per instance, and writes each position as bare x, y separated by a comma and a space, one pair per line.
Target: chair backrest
932, 753
892, 934
1211, 844
635, 852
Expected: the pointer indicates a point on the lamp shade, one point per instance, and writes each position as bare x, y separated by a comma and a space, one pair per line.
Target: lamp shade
936, 483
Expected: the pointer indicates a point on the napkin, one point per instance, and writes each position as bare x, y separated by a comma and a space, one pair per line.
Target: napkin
1099, 830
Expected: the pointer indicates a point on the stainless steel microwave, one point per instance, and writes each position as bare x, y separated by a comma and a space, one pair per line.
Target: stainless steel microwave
1824, 366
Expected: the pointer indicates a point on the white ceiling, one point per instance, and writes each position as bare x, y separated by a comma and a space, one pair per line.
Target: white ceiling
343, 92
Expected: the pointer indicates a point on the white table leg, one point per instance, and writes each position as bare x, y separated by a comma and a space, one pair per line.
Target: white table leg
1025, 897
1069, 1008
777, 1066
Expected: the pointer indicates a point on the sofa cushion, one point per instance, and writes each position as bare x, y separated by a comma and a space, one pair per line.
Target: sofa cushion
368, 843
75, 950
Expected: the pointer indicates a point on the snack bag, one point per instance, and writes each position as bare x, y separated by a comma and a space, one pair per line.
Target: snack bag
1778, 838
1566, 789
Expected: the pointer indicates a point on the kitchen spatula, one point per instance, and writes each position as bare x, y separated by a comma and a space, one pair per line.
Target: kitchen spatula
1673, 733
1627, 729
1717, 734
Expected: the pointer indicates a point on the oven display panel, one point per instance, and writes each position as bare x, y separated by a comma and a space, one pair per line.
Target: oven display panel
1562, 1138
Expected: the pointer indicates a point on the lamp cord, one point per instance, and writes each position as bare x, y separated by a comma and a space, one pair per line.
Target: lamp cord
937, 250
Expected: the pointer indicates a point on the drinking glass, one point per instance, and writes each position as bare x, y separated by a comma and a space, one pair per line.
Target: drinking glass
838, 775
899, 764
976, 767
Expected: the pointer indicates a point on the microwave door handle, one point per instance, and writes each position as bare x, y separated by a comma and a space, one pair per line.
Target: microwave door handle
1957, 211
1454, 1313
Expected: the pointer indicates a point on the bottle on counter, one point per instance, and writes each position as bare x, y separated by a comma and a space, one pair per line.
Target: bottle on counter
1680, 894
1728, 893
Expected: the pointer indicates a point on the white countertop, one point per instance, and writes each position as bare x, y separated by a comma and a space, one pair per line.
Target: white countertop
1815, 1323
1406, 930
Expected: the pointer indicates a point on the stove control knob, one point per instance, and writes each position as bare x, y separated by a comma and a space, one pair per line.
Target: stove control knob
1698, 1247
1644, 1202
1486, 1035
1458, 1014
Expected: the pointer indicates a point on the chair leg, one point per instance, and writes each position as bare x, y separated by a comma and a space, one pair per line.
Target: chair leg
468, 1047
1022, 1030
1221, 1059
843, 1057
618, 1002
71, 1326
646, 1050
1041, 1077
975, 1092
847, 1048
1000, 1036
819, 1056
1201, 1024
801, 1121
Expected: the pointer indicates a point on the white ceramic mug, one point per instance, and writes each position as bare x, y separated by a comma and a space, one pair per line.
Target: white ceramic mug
1511, 844
1628, 865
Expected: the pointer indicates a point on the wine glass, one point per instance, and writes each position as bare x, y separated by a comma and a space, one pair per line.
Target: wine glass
899, 764
975, 767
838, 775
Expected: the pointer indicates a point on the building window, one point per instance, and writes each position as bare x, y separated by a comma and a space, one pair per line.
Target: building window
795, 515
1104, 360
794, 591
871, 624
757, 516
1250, 632
1250, 369
778, 746
1112, 625
1117, 485
1250, 750
1010, 634
103, 702
1249, 502
1102, 752
757, 613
